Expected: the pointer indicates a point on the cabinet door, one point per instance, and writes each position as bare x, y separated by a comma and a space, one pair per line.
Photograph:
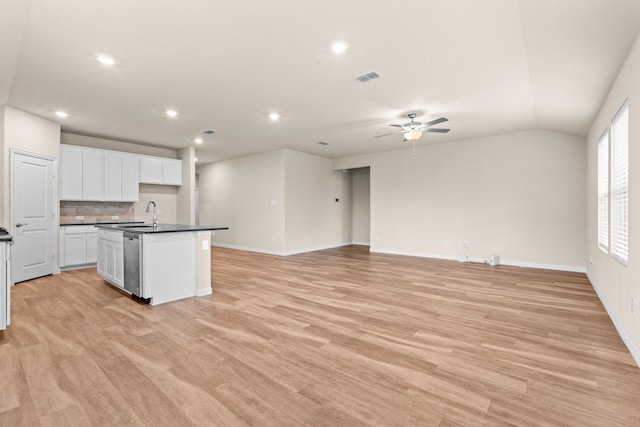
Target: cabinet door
92, 248
172, 172
110, 258
75, 249
150, 170
112, 177
70, 173
118, 276
130, 178
92, 175
101, 257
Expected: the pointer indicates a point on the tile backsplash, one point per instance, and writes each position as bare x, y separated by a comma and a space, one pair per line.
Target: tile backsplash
93, 212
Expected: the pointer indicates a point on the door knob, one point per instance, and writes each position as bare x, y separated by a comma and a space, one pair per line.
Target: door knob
19, 224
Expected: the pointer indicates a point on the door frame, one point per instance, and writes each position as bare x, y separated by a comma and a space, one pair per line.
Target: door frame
54, 199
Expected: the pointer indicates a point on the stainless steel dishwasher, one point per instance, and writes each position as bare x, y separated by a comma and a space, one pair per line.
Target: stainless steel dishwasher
132, 263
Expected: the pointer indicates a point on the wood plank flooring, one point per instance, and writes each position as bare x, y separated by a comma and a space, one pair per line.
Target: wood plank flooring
332, 338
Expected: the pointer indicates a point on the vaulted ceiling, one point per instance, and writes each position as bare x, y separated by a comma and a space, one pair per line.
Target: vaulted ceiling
490, 66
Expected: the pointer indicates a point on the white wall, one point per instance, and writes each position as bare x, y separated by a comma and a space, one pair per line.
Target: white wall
24, 131
245, 194
615, 283
313, 219
361, 223
520, 196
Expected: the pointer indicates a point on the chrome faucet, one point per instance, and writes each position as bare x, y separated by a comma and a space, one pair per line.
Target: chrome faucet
155, 215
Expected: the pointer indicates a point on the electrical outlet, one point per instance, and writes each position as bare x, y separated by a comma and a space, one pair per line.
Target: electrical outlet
590, 259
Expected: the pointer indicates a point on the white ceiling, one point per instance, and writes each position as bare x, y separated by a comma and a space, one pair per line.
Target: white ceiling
490, 66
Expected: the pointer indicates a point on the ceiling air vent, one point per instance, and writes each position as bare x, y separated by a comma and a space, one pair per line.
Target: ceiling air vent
368, 76
323, 143
209, 132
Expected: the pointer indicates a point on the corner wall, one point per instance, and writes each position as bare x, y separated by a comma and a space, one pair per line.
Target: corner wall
313, 219
245, 194
24, 131
616, 284
520, 196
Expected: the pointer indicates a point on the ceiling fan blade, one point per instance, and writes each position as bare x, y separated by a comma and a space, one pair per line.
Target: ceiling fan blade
437, 121
386, 134
438, 130
397, 126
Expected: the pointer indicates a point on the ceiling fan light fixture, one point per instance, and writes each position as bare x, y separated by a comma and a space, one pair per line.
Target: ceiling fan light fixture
412, 135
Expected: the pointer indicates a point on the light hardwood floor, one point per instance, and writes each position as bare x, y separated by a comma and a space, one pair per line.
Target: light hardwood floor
332, 338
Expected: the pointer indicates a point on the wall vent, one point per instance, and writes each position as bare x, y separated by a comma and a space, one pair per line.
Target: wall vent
323, 143
209, 131
368, 76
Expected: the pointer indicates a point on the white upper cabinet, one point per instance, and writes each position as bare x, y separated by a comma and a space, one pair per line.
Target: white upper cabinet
171, 172
71, 176
157, 170
150, 170
130, 178
92, 175
113, 176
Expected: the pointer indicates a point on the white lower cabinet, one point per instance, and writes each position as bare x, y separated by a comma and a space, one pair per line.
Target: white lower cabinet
78, 245
111, 257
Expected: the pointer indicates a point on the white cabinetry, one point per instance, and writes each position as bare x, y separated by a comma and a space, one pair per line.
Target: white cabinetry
156, 170
112, 176
92, 175
111, 257
71, 176
5, 285
171, 172
130, 178
78, 245
150, 170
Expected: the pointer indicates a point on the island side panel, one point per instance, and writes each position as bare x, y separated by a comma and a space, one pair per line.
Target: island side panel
203, 249
169, 266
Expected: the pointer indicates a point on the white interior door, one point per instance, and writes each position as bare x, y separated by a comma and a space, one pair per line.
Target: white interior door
32, 216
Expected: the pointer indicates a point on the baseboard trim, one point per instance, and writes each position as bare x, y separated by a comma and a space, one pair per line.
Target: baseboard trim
317, 248
616, 322
268, 252
248, 249
361, 243
204, 292
573, 269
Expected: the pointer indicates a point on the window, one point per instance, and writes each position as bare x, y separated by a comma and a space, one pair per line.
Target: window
603, 192
620, 185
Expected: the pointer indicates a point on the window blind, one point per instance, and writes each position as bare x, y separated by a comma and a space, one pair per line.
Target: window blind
603, 192
620, 185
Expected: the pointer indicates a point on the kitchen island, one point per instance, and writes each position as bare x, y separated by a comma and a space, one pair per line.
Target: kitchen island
158, 263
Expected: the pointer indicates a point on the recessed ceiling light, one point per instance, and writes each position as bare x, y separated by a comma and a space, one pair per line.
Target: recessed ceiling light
172, 113
105, 59
274, 117
338, 47
62, 114
198, 140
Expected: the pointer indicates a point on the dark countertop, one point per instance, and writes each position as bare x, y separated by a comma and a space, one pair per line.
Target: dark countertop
161, 228
104, 223
5, 236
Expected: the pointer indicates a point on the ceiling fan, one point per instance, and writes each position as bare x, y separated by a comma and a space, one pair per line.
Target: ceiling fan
413, 130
